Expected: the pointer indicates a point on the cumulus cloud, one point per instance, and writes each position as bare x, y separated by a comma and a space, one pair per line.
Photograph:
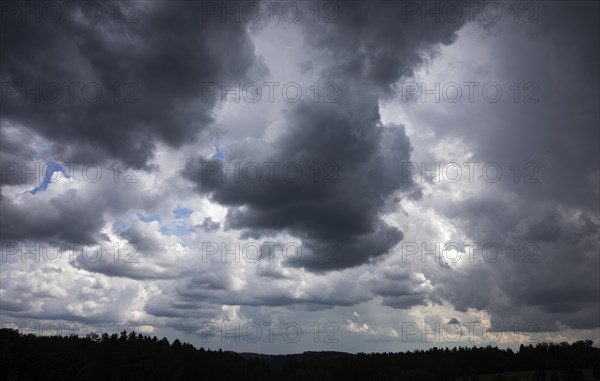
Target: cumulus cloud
364, 155
333, 192
126, 85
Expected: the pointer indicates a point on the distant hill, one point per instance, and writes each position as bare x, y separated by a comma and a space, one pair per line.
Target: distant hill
277, 362
324, 355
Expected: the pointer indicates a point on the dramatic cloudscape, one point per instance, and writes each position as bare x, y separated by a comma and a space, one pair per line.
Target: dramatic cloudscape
277, 177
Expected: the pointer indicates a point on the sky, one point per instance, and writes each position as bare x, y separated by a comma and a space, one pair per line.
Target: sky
280, 177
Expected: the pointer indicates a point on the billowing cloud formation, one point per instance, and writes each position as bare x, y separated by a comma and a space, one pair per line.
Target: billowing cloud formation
556, 136
353, 198
367, 52
357, 151
113, 89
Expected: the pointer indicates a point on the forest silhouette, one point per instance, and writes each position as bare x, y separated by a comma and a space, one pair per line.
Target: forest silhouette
131, 356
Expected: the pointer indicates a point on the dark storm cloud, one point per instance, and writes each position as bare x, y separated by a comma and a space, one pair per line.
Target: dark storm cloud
378, 42
171, 51
368, 50
559, 285
64, 219
575, 30
346, 212
559, 212
550, 226
161, 62
559, 53
13, 152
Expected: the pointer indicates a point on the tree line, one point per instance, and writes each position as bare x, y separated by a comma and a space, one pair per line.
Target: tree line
131, 356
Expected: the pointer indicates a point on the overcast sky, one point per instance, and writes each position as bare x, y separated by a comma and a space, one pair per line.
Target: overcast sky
279, 177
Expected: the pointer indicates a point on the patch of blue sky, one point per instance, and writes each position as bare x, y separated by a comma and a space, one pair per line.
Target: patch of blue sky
178, 229
51, 169
121, 225
182, 212
219, 154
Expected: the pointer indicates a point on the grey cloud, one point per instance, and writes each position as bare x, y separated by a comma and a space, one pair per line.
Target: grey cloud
550, 226
560, 211
399, 288
373, 42
208, 225
166, 57
368, 51
51, 220
169, 53
76, 215
346, 212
